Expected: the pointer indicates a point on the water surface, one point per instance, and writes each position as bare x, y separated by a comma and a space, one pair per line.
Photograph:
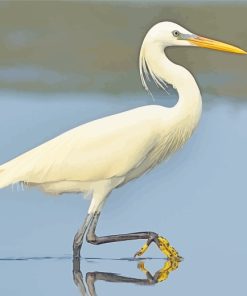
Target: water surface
197, 199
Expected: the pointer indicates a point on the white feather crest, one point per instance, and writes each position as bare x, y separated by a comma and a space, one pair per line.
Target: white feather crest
147, 71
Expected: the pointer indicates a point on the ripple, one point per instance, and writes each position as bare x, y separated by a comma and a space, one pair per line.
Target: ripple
68, 257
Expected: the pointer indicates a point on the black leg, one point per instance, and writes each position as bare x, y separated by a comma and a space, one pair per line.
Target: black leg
78, 240
150, 236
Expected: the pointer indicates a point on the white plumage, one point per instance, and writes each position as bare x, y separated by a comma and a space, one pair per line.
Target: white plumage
111, 150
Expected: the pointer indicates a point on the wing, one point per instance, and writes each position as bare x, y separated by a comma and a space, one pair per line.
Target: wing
101, 149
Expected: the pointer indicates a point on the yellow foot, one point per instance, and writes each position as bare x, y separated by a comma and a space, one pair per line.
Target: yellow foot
142, 250
165, 247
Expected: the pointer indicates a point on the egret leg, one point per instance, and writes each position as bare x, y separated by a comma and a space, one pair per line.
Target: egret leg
150, 236
78, 239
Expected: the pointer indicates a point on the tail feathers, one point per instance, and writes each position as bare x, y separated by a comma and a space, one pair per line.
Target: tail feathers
5, 178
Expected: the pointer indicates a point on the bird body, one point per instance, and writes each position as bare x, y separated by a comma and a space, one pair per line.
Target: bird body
101, 155
111, 151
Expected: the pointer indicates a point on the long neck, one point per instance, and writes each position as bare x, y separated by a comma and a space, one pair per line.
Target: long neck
189, 103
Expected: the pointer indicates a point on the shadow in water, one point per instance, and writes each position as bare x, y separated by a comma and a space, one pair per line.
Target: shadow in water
87, 287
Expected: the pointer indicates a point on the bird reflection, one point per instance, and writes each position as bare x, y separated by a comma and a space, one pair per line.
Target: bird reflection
87, 287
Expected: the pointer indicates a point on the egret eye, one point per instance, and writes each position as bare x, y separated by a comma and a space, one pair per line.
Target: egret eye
175, 33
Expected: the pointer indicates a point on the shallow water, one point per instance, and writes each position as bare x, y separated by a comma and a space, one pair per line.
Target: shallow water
197, 200
53, 78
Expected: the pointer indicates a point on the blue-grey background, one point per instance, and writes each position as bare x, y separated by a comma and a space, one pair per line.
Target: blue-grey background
66, 63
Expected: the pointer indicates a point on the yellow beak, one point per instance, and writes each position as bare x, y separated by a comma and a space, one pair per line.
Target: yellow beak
213, 44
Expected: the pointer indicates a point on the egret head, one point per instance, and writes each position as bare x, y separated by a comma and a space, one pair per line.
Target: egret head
167, 34
170, 34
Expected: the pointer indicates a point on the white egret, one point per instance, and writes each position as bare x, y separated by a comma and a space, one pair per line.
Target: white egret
101, 155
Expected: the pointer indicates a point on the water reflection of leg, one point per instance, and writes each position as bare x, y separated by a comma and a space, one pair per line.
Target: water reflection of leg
162, 274
78, 280
91, 277
90, 280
